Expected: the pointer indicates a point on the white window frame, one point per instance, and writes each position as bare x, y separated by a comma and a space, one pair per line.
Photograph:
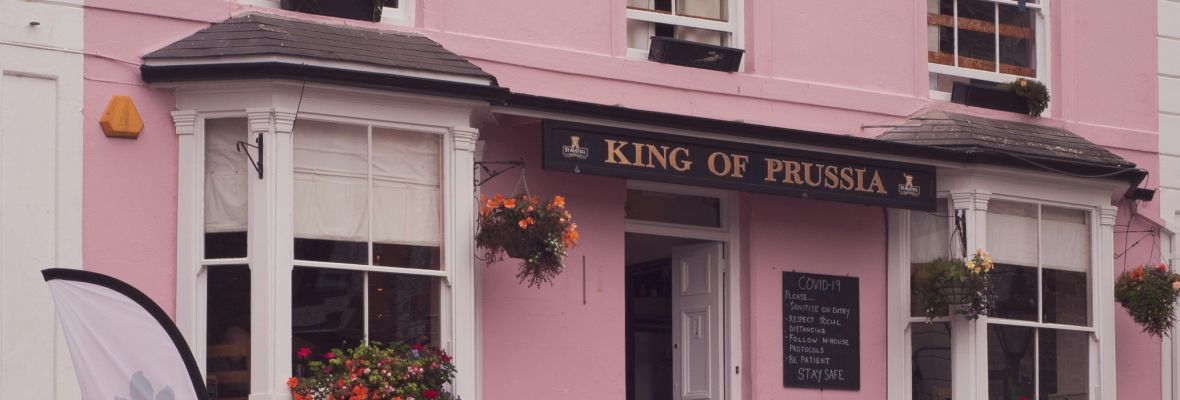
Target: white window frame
403, 15
970, 191
271, 109
734, 27
1042, 52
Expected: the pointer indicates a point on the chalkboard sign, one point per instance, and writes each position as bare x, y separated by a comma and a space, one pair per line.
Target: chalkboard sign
821, 331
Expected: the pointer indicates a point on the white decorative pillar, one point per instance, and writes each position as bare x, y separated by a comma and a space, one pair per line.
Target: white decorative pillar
1104, 304
968, 353
898, 306
461, 249
188, 229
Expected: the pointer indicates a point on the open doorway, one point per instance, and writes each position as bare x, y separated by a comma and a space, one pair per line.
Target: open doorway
674, 306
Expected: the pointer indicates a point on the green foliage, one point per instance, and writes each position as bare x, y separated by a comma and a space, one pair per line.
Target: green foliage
1034, 92
1149, 295
934, 282
372, 371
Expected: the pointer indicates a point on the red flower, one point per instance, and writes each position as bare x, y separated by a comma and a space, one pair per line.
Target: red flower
329, 355
430, 393
1163, 267
418, 346
304, 352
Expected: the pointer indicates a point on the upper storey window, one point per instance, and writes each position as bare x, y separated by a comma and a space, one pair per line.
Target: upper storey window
985, 40
703, 21
396, 12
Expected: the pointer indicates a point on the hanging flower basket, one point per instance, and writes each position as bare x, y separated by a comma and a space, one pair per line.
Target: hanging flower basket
954, 281
537, 232
1149, 295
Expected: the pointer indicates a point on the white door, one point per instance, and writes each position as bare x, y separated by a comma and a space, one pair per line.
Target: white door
696, 322
40, 189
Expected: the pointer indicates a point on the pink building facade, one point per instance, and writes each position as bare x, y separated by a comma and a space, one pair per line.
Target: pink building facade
680, 286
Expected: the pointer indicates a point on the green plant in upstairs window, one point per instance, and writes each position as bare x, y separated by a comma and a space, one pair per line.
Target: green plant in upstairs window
1149, 295
1032, 91
966, 283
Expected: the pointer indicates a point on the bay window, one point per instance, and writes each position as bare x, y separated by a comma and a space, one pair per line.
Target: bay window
1042, 340
357, 224
985, 41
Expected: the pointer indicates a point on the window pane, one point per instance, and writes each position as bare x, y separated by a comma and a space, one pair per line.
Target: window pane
929, 239
711, 9
977, 38
1066, 239
331, 182
673, 208
1016, 292
407, 218
327, 309
404, 308
226, 178
1065, 364
940, 31
931, 361
1017, 40
1012, 232
702, 35
639, 34
1010, 358
1065, 294
227, 331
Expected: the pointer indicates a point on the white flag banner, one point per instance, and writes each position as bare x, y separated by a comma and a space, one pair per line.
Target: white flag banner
123, 345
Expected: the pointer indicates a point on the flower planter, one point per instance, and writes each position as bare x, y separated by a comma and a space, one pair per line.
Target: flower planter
364, 10
995, 98
954, 292
692, 54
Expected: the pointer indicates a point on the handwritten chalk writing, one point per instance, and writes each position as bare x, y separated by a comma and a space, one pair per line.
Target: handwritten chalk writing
821, 328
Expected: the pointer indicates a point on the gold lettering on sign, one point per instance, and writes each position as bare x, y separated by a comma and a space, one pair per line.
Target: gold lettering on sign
614, 149
792, 173
818, 175
860, 180
773, 166
713, 163
739, 165
846, 181
659, 155
679, 163
877, 184
830, 179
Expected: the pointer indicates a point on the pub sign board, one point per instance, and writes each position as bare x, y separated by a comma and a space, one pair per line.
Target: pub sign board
821, 331
634, 154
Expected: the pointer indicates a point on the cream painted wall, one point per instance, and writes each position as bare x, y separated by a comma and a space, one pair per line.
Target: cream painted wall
40, 189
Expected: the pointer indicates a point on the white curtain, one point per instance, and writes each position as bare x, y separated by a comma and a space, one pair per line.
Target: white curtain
1066, 237
1012, 233
929, 234
226, 175
331, 184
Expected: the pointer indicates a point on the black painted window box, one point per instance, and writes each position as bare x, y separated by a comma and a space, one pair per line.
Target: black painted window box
363, 10
985, 96
692, 54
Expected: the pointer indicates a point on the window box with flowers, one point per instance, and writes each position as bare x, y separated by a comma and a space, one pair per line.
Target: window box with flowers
373, 371
537, 232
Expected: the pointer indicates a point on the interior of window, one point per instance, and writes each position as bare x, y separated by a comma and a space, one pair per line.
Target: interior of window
981, 35
639, 32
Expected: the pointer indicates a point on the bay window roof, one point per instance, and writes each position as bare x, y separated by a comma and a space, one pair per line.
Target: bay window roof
263, 46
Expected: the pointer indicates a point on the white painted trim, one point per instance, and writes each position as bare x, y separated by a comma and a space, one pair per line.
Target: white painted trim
691, 22
344, 65
730, 237
897, 308
735, 26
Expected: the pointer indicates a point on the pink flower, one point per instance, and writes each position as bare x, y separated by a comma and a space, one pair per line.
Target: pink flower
329, 355
304, 352
430, 393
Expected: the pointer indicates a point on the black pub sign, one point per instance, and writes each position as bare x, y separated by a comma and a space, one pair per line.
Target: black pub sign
652, 156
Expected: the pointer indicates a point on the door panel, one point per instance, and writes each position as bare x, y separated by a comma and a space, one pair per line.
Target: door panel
696, 321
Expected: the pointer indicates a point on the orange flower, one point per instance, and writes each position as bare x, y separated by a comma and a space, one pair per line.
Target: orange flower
559, 201
524, 223
1163, 267
510, 203
292, 382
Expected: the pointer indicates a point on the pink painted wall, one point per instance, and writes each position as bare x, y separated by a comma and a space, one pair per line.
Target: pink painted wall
543, 343
823, 66
788, 234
